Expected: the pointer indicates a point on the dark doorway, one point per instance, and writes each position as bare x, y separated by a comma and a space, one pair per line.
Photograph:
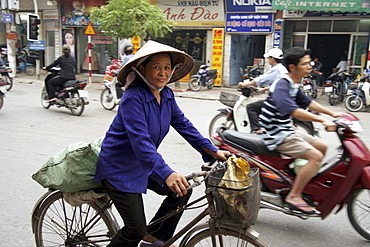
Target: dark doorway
329, 49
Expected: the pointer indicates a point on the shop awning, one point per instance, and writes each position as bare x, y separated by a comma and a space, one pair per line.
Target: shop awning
323, 5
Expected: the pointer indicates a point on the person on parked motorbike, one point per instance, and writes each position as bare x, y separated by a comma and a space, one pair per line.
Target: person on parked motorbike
317, 74
286, 100
365, 74
274, 57
67, 63
129, 162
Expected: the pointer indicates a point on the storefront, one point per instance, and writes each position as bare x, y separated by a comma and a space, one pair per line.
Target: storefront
249, 27
332, 31
192, 33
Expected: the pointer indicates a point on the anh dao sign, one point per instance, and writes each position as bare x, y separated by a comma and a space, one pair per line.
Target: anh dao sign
249, 6
37, 45
323, 5
249, 23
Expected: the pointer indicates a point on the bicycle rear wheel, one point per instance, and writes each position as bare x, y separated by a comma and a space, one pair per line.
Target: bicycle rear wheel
60, 224
224, 238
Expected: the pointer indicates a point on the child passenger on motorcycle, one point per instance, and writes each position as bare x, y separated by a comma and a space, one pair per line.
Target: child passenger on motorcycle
286, 100
67, 63
129, 162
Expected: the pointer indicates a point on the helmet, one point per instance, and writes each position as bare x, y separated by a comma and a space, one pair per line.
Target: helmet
66, 47
128, 49
204, 66
275, 53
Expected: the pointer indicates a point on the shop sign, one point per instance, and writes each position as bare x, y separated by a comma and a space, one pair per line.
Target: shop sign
249, 23
217, 45
278, 26
136, 42
299, 13
76, 13
193, 13
249, 6
7, 18
37, 45
50, 15
323, 5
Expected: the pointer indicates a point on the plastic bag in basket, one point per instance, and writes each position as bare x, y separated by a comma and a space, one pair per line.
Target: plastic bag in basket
236, 177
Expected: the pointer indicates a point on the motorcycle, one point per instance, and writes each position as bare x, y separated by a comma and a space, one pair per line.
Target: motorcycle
71, 95
251, 73
203, 78
342, 180
2, 95
113, 91
5, 79
336, 86
309, 86
359, 98
235, 115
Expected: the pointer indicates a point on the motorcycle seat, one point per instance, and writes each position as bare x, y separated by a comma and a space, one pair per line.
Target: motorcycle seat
249, 142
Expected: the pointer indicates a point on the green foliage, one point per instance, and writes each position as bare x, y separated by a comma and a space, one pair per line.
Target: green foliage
129, 18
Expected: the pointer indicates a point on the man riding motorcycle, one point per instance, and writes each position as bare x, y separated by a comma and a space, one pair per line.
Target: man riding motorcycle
67, 63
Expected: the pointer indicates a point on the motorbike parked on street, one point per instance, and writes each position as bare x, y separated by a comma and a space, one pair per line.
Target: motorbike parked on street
309, 85
336, 86
343, 180
2, 95
71, 95
113, 91
203, 78
360, 97
5, 79
235, 115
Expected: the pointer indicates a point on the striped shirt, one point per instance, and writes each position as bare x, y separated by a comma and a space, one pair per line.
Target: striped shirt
284, 98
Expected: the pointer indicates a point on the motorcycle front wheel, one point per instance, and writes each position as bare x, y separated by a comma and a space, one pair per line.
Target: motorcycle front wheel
331, 98
1, 101
106, 99
221, 120
8, 82
77, 105
45, 98
359, 212
354, 103
195, 84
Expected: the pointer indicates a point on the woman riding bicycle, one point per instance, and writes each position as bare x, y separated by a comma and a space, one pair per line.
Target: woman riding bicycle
129, 162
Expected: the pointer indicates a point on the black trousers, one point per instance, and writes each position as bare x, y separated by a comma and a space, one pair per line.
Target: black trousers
53, 83
131, 208
254, 110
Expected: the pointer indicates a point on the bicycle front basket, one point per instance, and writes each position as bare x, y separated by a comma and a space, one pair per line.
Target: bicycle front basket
237, 203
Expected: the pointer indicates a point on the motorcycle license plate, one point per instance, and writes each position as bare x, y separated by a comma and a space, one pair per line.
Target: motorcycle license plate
83, 93
328, 89
306, 87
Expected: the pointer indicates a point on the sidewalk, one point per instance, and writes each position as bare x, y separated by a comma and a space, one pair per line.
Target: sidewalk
98, 84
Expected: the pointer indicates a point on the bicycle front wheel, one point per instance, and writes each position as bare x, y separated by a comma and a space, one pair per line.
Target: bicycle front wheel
224, 238
60, 224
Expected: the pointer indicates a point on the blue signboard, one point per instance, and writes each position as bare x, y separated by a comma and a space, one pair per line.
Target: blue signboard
249, 23
8, 18
248, 6
37, 45
277, 33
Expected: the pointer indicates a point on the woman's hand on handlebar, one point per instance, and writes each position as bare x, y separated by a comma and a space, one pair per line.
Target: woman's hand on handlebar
177, 183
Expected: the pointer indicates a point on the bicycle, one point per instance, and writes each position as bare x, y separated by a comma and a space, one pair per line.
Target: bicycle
56, 223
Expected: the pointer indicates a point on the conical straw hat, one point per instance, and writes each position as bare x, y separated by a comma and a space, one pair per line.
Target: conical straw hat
127, 75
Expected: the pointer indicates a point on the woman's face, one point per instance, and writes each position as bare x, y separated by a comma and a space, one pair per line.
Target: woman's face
69, 39
158, 70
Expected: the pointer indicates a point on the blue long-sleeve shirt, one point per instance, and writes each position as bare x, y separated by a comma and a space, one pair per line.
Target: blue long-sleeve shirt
129, 150
276, 72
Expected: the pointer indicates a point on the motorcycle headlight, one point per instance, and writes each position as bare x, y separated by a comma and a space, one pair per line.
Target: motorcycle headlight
355, 126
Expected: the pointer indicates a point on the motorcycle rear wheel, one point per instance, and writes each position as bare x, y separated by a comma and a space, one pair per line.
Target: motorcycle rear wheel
331, 98
354, 103
210, 83
45, 98
106, 99
195, 84
359, 212
221, 120
8, 82
30, 70
77, 104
